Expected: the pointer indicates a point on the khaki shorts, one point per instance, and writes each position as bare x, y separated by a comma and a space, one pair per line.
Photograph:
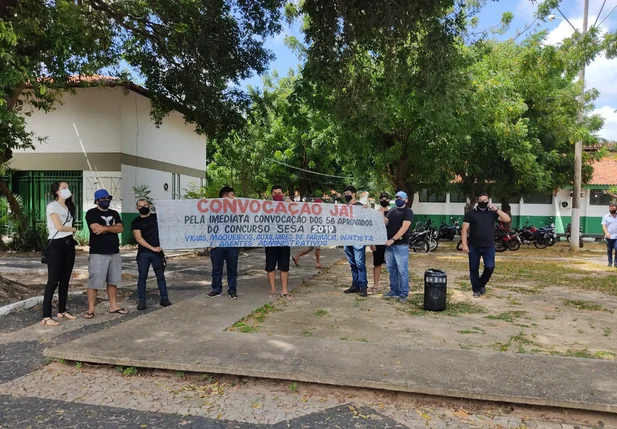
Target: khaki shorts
104, 270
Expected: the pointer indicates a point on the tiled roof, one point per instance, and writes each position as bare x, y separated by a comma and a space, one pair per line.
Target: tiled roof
605, 172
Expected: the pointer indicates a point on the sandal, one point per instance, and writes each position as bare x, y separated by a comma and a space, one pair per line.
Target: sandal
119, 310
48, 321
286, 296
66, 315
373, 290
293, 258
272, 295
88, 315
318, 266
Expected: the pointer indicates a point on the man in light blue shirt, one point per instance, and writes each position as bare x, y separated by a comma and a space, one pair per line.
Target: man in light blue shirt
609, 225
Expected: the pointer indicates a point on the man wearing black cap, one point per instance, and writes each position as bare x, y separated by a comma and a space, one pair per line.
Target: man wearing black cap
105, 262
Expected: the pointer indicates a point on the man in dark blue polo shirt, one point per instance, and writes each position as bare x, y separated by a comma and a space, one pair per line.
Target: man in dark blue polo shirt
479, 224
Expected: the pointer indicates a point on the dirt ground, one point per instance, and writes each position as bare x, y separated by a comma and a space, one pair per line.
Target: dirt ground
560, 307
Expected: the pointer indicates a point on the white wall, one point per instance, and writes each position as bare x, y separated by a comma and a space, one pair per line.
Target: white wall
155, 179
90, 117
109, 180
174, 141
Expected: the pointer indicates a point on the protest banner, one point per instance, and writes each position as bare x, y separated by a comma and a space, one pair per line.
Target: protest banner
242, 222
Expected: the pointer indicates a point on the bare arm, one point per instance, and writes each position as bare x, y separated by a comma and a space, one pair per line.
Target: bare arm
99, 229
503, 216
140, 240
58, 224
464, 233
401, 231
606, 234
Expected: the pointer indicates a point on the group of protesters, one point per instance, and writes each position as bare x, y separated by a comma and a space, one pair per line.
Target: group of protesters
105, 262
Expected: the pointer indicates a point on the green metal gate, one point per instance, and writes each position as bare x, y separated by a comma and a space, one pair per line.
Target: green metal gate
34, 187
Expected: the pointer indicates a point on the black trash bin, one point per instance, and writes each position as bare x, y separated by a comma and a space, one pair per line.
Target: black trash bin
435, 289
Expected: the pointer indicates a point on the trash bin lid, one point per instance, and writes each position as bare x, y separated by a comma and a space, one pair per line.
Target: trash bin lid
434, 272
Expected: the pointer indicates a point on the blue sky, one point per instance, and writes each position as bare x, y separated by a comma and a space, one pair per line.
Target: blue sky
602, 74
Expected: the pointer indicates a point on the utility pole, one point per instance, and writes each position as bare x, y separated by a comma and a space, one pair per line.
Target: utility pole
578, 154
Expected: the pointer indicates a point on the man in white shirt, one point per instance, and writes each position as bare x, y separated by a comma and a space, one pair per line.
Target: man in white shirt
609, 225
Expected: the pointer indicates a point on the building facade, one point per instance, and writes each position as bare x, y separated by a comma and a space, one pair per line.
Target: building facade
103, 137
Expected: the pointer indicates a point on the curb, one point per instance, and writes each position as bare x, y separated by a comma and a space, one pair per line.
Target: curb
31, 302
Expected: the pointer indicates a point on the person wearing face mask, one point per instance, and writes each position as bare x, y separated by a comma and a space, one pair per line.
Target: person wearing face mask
379, 251
398, 224
105, 262
478, 237
609, 226
278, 256
60, 252
146, 232
356, 255
221, 255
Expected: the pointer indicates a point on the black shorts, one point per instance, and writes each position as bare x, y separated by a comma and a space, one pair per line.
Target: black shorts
277, 256
379, 256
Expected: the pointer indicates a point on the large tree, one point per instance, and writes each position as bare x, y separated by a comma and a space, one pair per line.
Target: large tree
190, 54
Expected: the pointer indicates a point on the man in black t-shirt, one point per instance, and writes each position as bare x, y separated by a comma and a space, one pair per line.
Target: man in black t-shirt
278, 256
356, 255
398, 223
146, 232
105, 262
224, 255
479, 224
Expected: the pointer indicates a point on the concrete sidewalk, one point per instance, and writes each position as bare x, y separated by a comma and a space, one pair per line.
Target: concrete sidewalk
190, 336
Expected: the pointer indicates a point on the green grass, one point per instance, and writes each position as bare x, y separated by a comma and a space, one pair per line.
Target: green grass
607, 332
293, 387
464, 286
307, 333
127, 371
586, 354
472, 331
321, 312
250, 323
361, 340
584, 305
179, 374
507, 316
514, 301
79, 365
519, 341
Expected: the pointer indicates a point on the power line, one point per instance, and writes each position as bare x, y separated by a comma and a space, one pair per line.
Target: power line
607, 15
308, 171
599, 13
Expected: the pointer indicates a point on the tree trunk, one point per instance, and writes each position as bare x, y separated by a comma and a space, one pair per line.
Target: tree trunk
13, 204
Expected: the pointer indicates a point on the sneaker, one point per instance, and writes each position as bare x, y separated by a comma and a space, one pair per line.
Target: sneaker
364, 291
482, 291
402, 299
477, 294
353, 289
214, 294
141, 305
610, 264
233, 295
165, 302
389, 295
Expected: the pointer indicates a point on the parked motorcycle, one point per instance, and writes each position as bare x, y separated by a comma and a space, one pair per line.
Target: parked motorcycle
506, 239
448, 232
569, 233
433, 234
540, 238
419, 241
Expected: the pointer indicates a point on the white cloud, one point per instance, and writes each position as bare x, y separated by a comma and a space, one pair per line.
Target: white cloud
525, 10
609, 114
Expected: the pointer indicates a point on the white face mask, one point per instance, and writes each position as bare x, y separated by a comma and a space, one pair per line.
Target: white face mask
65, 193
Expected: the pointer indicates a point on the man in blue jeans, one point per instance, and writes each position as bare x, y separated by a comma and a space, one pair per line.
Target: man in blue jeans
398, 222
356, 255
146, 232
221, 255
478, 237
609, 226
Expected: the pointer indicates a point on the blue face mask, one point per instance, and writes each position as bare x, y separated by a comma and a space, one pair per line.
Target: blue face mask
400, 203
104, 204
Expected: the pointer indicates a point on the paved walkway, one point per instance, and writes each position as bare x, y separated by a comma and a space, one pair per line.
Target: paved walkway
160, 341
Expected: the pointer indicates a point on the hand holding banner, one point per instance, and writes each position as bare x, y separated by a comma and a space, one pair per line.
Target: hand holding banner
242, 222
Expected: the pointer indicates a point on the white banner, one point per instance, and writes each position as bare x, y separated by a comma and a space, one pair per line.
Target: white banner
242, 222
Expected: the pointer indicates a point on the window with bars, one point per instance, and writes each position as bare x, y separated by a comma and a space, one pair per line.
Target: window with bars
426, 197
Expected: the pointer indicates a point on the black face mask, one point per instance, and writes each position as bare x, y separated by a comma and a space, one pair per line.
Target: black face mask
144, 210
612, 211
483, 204
104, 204
348, 198
384, 203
